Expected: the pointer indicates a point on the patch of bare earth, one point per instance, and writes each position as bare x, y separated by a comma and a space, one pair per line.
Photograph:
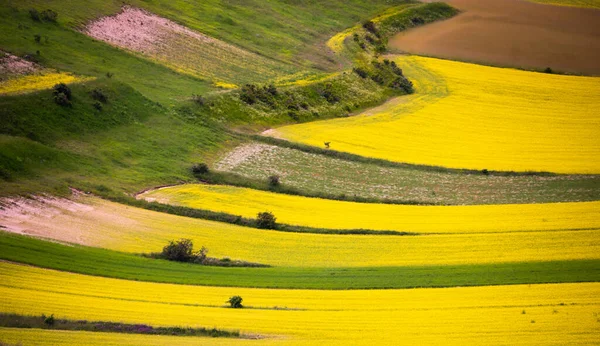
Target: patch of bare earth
512, 33
241, 154
11, 65
61, 219
179, 47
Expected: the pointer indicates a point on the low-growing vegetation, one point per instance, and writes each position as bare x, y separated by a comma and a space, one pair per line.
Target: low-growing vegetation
315, 172
183, 251
42, 322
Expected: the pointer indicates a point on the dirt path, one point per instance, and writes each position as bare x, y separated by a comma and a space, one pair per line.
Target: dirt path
512, 33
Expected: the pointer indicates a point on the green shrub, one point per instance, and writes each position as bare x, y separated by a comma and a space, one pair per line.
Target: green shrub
62, 88
235, 302
200, 168
62, 99
98, 95
49, 16
361, 72
401, 83
180, 251
37, 38
274, 180
370, 26
266, 220
49, 321
34, 14
98, 106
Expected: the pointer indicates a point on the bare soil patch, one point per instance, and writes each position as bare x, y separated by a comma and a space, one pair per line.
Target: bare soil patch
54, 218
11, 65
512, 33
182, 49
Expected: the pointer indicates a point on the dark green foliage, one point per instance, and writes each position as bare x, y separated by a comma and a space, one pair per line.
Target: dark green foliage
266, 220
361, 72
98, 95
370, 26
180, 251
274, 180
329, 94
402, 83
416, 16
62, 99
417, 21
200, 168
235, 302
49, 16
62, 88
548, 70
98, 105
21, 321
294, 115
46, 15
37, 38
49, 321
34, 14
252, 93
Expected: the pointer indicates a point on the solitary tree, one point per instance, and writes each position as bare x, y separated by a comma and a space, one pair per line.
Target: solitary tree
266, 220
236, 302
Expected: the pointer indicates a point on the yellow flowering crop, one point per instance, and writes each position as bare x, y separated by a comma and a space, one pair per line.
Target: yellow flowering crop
520, 314
29, 83
336, 42
476, 117
316, 212
49, 337
575, 3
110, 225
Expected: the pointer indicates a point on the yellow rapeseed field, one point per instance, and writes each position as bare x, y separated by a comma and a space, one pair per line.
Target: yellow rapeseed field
316, 212
45, 337
475, 117
520, 314
575, 3
29, 83
336, 42
110, 225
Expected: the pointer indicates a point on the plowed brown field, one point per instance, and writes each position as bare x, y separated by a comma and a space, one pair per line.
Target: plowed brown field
512, 33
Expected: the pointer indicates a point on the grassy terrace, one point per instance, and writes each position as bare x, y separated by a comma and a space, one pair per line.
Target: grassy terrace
314, 174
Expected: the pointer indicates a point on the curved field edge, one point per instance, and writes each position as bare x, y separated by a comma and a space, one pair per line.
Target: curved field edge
313, 174
316, 212
112, 264
94, 222
469, 126
322, 315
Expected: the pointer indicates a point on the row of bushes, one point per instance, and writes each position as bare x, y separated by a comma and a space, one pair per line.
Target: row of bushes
386, 73
44, 16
